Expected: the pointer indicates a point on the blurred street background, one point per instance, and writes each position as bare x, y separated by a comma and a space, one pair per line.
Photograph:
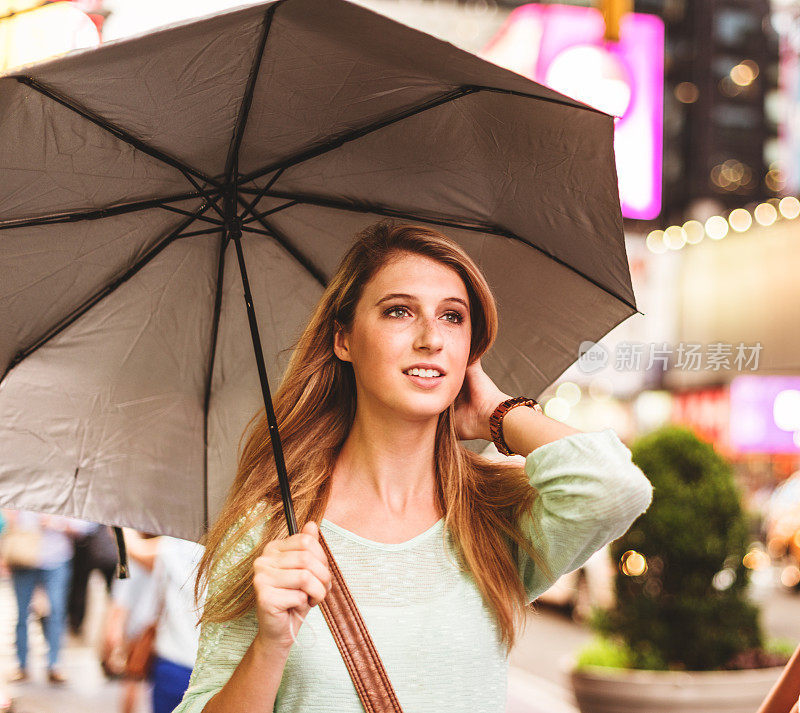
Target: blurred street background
708, 156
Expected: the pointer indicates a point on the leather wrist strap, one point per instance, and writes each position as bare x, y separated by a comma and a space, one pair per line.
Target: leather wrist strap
355, 644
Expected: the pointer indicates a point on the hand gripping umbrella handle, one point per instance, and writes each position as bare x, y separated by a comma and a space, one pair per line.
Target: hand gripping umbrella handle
355, 644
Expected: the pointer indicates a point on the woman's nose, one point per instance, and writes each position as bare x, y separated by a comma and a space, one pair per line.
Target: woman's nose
429, 334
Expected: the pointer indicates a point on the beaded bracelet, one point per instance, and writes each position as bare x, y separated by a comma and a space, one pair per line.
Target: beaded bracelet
496, 420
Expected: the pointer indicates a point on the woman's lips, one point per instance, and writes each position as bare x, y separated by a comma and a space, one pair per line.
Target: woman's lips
425, 382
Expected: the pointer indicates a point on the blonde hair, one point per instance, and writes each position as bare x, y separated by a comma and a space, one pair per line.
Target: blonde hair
482, 500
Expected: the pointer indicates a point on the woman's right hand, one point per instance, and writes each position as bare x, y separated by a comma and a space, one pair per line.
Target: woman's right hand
290, 577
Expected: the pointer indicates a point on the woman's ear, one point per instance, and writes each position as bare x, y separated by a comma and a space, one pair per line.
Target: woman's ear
340, 347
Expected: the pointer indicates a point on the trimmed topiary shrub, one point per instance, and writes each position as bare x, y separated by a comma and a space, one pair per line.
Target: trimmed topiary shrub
688, 609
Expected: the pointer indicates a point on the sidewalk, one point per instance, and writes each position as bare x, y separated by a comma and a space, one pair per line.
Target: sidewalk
528, 693
87, 690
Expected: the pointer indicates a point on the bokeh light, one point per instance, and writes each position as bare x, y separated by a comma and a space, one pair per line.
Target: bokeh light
674, 237
557, 408
694, 231
765, 214
744, 73
723, 579
655, 242
570, 392
716, 227
633, 563
790, 576
756, 559
789, 207
687, 93
740, 220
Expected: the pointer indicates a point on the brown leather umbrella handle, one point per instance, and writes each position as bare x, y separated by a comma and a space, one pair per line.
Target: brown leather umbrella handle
355, 644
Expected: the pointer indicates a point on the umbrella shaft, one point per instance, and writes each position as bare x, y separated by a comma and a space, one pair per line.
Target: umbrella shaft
288, 509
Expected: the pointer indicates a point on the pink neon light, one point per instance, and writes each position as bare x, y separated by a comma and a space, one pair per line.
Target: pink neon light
534, 36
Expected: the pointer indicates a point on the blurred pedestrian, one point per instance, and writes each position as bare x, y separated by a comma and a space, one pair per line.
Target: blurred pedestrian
177, 633
5, 696
40, 553
95, 550
159, 591
132, 610
174, 565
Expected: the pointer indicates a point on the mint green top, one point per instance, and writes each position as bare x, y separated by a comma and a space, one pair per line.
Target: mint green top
437, 639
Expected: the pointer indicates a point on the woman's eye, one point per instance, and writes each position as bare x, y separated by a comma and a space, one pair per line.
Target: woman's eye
392, 309
458, 316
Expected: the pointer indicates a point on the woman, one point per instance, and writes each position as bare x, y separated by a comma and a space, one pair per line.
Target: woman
441, 548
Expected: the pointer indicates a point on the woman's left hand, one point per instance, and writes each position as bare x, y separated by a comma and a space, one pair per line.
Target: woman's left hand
478, 398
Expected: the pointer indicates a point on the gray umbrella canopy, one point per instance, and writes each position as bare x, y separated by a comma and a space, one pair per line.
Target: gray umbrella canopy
129, 170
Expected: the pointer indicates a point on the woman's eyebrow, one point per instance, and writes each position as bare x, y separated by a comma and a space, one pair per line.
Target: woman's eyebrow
403, 295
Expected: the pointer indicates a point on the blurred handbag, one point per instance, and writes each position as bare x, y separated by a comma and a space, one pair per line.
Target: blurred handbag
141, 654
142, 649
20, 547
784, 695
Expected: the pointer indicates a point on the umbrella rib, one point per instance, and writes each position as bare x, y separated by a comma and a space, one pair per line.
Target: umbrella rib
462, 225
104, 292
251, 229
223, 245
231, 163
335, 143
284, 242
259, 194
101, 212
338, 141
205, 194
203, 218
193, 233
288, 204
553, 100
116, 131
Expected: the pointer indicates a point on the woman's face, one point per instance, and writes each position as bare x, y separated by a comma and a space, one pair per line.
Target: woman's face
427, 321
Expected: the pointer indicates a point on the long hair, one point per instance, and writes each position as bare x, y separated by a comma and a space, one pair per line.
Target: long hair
482, 500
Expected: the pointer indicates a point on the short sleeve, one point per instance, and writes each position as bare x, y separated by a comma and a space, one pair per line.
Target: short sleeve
221, 646
590, 493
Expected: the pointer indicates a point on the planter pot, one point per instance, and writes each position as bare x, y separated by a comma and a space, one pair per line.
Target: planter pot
599, 689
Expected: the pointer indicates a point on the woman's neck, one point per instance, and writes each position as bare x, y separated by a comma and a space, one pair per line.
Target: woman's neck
387, 467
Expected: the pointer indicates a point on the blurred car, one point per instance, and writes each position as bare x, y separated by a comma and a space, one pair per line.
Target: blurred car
782, 530
589, 586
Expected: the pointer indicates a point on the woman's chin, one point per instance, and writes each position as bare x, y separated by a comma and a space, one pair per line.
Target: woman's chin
426, 406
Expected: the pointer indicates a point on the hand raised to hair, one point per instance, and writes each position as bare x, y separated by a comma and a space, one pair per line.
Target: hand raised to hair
478, 398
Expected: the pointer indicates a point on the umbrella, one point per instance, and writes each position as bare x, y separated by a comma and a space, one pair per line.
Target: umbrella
144, 182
